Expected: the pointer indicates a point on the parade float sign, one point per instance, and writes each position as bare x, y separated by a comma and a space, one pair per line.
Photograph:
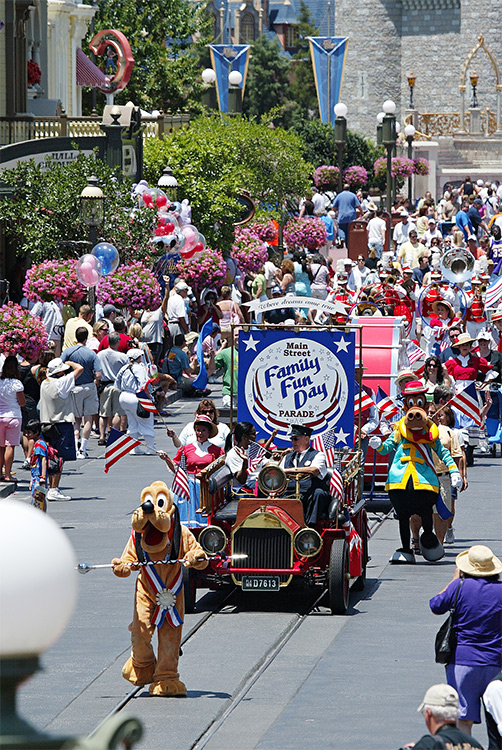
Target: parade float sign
304, 377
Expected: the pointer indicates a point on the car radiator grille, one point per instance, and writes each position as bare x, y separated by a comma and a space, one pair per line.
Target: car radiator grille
265, 548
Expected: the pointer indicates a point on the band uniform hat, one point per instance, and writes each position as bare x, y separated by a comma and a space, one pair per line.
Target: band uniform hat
203, 419
407, 269
475, 280
464, 338
436, 275
297, 430
451, 311
134, 354
415, 388
407, 373
342, 278
479, 561
440, 695
497, 315
56, 366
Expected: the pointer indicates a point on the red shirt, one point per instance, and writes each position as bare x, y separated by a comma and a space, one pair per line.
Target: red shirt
476, 312
125, 344
196, 463
470, 371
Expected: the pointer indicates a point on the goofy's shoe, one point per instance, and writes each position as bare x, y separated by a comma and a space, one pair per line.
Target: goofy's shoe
402, 557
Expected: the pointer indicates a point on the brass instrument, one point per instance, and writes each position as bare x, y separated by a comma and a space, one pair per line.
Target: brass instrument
457, 265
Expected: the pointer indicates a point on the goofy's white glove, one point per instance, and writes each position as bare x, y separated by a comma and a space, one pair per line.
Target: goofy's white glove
375, 442
456, 480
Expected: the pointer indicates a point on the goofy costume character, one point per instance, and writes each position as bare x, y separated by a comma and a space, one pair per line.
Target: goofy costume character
412, 483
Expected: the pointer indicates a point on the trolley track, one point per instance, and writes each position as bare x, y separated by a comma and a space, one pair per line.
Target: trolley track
376, 522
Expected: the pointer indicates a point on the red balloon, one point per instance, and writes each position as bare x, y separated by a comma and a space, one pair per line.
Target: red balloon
199, 247
161, 200
188, 254
169, 227
147, 200
160, 232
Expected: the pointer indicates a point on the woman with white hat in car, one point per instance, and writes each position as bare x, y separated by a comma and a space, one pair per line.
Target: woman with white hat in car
131, 379
475, 594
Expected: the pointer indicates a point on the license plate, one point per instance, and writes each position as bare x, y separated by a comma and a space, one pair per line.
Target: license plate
260, 583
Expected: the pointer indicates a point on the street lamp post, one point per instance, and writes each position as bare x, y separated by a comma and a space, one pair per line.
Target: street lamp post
409, 132
340, 138
379, 119
234, 92
474, 83
389, 141
169, 184
209, 98
92, 213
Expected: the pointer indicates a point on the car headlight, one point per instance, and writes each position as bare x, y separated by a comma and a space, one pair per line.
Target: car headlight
213, 540
272, 479
307, 543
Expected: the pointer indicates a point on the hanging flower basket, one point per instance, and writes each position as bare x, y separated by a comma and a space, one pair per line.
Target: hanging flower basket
249, 251
326, 177
34, 73
205, 271
133, 287
421, 166
308, 232
355, 177
21, 333
54, 281
401, 167
264, 229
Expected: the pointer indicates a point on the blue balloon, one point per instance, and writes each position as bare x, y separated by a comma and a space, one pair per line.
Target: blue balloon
108, 255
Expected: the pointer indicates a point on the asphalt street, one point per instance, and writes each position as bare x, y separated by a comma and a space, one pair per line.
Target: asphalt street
348, 683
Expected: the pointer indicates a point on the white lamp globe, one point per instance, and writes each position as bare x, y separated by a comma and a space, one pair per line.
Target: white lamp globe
398, 127
38, 580
208, 75
341, 109
235, 78
410, 131
389, 107
380, 117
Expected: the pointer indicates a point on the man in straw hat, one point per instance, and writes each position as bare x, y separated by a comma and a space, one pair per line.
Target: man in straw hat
475, 594
440, 711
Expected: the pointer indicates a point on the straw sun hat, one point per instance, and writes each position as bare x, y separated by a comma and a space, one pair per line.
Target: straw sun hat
479, 561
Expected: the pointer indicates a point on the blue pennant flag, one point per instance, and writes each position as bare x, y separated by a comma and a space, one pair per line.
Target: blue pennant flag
224, 59
328, 55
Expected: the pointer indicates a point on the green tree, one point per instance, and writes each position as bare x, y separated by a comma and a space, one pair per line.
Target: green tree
166, 40
216, 158
43, 216
268, 78
302, 90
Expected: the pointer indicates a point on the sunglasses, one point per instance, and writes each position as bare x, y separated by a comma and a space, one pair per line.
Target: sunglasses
207, 411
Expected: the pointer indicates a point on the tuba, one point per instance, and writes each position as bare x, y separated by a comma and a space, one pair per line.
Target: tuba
457, 265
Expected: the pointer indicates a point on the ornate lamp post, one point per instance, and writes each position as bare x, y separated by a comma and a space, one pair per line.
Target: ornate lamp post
340, 138
379, 119
409, 132
92, 208
234, 92
209, 98
168, 183
389, 141
474, 83
411, 83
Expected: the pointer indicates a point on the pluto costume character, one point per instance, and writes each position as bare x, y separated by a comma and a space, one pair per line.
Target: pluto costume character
159, 602
412, 483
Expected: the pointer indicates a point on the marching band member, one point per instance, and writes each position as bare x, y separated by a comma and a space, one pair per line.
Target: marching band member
475, 317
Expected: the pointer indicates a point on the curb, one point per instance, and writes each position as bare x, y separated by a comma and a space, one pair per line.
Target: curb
7, 488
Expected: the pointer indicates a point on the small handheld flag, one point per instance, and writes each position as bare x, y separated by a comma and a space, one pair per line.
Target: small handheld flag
118, 445
467, 402
386, 405
180, 486
325, 443
146, 402
362, 401
255, 455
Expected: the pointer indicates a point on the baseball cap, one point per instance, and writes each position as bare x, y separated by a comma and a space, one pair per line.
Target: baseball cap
440, 695
276, 290
404, 213
478, 201
484, 335
471, 237
134, 353
432, 220
107, 309
480, 183
181, 285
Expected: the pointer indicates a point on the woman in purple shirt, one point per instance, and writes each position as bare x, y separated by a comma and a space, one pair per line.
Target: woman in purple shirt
477, 621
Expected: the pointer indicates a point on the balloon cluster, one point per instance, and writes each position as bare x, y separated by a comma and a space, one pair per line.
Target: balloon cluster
89, 270
174, 230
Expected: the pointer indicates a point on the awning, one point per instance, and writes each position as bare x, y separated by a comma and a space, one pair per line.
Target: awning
88, 74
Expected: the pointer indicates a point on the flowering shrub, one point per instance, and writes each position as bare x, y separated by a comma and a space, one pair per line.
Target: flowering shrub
326, 177
54, 280
20, 332
132, 286
206, 270
263, 228
355, 176
308, 232
34, 73
248, 250
421, 166
401, 167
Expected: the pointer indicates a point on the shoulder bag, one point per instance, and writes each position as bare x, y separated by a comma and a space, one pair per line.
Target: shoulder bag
446, 637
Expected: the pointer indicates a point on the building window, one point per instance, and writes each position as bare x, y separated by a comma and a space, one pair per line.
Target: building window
247, 29
292, 37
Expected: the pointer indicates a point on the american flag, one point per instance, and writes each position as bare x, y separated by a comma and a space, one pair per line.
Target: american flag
336, 486
180, 486
325, 443
255, 455
386, 405
414, 352
362, 402
146, 402
467, 402
118, 445
493, 293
